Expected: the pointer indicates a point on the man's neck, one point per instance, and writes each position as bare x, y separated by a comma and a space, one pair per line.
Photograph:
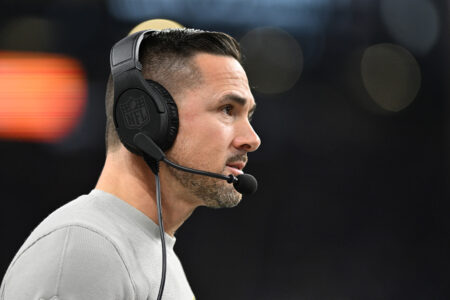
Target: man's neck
128, 177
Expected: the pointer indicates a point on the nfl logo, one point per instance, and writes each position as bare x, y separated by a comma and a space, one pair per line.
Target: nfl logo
135, 112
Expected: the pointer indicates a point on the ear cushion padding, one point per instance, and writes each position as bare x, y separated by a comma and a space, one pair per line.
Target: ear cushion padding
172, 121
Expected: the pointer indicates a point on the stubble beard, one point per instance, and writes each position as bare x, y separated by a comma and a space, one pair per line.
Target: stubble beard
213, 192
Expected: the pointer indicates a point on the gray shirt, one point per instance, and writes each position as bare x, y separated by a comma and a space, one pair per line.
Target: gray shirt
95, 247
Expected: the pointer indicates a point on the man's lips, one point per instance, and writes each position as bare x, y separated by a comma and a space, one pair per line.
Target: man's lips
236, 167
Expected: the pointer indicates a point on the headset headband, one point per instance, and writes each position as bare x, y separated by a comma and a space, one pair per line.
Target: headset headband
125, 53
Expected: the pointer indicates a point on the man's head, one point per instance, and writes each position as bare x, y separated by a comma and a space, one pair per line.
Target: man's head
167, 59
202, 72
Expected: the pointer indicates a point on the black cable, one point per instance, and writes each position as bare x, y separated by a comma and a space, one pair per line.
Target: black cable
163, 241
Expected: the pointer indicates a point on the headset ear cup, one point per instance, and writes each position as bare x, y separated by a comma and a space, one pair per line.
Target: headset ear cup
135, 111
171, 124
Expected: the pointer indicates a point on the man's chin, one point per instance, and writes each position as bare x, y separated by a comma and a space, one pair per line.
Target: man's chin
212, 192
225, 199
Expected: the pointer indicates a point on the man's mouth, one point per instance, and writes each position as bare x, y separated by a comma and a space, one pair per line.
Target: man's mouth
236, 167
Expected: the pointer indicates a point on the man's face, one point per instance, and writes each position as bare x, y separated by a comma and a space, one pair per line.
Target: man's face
215, 133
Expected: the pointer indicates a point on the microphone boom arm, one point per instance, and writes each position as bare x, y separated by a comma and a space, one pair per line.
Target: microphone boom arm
230, 178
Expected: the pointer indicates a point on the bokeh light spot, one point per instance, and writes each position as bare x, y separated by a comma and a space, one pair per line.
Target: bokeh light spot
391, 76
156, 24
414, 24
273, 59
28, 34
42, 96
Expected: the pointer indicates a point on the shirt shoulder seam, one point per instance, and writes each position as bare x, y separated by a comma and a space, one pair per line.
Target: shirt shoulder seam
61, 261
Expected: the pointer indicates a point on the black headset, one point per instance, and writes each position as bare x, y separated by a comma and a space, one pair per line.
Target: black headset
141, 106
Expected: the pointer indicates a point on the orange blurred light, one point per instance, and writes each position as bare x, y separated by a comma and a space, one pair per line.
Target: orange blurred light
42, 96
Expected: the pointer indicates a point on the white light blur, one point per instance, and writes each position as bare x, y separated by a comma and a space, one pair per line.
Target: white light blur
310, 15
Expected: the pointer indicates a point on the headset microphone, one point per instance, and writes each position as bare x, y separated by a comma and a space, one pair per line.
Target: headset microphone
245, 184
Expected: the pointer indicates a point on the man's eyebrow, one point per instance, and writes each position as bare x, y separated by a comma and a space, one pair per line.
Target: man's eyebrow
239, 100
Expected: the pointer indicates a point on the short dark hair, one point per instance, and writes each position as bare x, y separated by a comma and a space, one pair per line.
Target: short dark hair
166, 58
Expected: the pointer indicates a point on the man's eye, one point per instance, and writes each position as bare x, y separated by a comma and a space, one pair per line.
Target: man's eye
228, 109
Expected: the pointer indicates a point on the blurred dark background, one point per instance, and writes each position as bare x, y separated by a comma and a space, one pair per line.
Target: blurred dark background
353, 115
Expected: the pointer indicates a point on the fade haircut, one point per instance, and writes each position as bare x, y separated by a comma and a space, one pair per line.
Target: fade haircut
167, 58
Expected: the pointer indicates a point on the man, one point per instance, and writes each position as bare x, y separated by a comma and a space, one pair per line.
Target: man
106, 245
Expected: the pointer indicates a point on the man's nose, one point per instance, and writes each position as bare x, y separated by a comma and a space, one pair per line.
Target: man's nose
247, 139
